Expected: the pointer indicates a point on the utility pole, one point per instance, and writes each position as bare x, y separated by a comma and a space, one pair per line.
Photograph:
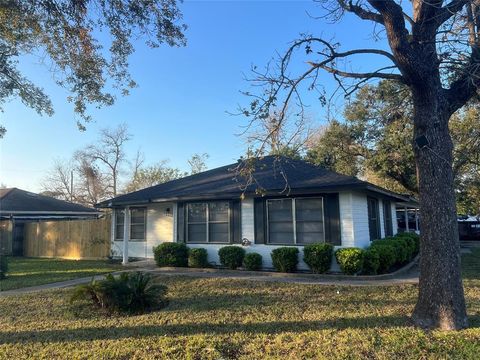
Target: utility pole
71, 186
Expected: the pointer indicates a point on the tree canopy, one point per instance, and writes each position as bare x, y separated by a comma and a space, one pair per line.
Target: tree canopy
65, 35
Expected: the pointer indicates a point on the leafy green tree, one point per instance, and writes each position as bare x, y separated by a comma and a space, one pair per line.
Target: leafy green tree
65, 33
153, 175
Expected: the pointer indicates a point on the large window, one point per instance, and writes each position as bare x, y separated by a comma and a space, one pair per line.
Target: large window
295, 221
373, 219
387, 217
137, 224
208, 222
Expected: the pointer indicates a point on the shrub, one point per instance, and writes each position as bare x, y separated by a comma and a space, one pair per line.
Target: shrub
231, 256
3, 266
413, 238
371, 261
285, 259
318, 257
198, 258
171, 254
350, 260
253, 261
128, 293
386, 255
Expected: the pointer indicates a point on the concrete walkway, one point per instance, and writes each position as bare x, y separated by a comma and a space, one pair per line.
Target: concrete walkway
408, 277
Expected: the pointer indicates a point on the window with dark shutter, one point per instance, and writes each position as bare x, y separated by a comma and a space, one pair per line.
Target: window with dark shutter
208, 222
387, 217
295, 221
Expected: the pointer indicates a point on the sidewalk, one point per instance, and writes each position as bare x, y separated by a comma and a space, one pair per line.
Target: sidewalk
407, 277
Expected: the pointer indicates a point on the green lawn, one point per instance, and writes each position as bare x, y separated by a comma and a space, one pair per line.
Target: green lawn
236, 319
24, 272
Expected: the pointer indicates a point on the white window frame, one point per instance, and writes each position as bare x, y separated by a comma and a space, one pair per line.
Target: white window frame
208, 222
144, 225
119, 211
294, 219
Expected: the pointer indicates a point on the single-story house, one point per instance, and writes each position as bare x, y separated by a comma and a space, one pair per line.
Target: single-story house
288, 202
18, 207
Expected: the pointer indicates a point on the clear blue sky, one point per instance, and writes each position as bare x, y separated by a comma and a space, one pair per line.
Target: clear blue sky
180, 105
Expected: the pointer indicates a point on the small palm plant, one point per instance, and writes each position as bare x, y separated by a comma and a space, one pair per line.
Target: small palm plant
128, 293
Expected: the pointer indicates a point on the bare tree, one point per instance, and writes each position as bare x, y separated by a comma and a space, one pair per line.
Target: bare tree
198, 163
59, 182
108, 154
435, 51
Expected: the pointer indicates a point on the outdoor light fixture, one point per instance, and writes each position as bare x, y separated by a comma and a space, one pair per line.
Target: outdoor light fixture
168, 212
246, 242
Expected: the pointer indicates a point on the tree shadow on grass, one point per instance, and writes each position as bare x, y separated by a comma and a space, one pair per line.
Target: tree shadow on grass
275, 327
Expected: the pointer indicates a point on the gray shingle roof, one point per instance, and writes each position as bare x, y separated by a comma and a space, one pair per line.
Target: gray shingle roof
273, 175
17, 201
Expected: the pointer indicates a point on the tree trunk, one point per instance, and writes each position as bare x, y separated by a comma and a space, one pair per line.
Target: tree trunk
441, 301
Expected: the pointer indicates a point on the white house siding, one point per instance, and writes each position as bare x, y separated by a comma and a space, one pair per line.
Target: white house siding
394, 218
381, 216
361, 233
159, 228
346, 219
247, 219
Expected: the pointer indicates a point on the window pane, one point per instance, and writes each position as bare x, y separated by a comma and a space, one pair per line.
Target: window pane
119, 232
280, 238
197, 233
218, 211
137, 216
197, 212
280, 222
373, 222
120, 216
218, 232
280, 210
137, 232
310, 237
309, 209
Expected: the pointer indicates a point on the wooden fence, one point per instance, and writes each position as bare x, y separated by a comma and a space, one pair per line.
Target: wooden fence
71, 239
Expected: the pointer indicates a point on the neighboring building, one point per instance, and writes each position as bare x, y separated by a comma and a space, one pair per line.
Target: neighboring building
289, 203
18, 207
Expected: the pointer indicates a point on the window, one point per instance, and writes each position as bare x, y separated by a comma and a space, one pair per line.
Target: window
208, 222
137, 224
119, 222
387, 218
373, 219
295, 221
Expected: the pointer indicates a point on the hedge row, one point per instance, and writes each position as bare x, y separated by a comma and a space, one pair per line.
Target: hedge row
178, 254
381, 257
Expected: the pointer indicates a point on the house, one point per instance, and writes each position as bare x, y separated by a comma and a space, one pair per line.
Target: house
18, 207
287, 203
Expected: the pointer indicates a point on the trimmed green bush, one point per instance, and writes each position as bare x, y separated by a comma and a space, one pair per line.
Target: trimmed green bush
371, 261
129, 293
413, 238
285, 259
197, 258
231, 256
171, 254
318, 257
386, 255
253, 261
3, 266
350, 260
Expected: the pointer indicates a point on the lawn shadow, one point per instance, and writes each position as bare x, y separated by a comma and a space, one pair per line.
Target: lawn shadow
275, 327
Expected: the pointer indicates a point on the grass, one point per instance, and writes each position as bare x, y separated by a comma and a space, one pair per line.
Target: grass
25, 272
237, 319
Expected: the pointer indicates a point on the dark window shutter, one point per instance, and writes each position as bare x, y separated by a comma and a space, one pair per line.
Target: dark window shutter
332, 219
180, 222
259, 221
235, 221
387, 217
